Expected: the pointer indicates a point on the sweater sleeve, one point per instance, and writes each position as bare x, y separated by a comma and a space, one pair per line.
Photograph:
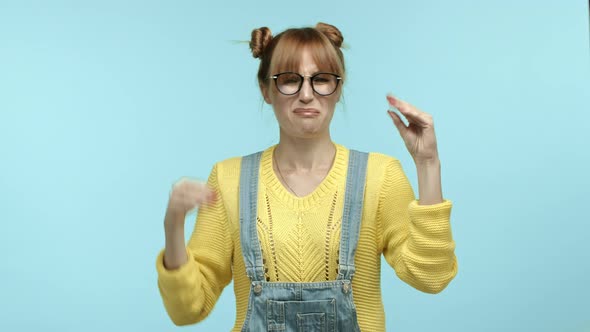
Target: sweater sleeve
190, 292
417, 239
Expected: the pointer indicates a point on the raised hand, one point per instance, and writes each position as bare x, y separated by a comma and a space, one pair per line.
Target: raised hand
188, 194
418, 135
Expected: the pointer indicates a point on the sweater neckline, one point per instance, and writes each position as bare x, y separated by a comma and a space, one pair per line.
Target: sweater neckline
328, 184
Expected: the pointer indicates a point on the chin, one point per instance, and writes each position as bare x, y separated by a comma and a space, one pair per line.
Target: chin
310, 132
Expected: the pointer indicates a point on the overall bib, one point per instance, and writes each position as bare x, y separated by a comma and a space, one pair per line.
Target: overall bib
301, 306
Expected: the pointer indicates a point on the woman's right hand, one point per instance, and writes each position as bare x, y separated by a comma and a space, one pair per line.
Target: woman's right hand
186, 195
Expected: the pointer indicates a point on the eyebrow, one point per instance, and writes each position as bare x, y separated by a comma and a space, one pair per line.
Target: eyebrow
315, 72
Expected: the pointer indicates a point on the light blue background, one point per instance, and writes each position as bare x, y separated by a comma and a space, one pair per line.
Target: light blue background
104, 104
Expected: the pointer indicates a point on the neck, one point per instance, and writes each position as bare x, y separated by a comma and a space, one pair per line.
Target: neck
305, 155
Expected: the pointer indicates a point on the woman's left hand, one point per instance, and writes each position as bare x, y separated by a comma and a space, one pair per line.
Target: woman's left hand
418, 135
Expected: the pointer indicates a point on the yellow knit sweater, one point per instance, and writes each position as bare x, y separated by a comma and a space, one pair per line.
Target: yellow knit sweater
300, 239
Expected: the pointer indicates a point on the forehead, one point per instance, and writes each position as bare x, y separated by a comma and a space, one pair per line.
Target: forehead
303, 59
307, 64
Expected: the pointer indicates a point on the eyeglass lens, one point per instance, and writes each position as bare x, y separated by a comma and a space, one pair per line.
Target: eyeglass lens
322, 83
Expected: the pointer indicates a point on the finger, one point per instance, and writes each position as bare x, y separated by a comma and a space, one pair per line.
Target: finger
417, 119
197, 202
417, 116
401, 106
397, 121
396, 102
409, 111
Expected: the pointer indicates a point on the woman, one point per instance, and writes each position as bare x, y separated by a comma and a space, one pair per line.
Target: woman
305, 225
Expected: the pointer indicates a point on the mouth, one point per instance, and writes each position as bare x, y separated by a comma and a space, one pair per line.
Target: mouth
306, 111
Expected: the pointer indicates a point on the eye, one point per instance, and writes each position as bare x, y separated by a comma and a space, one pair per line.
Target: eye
289, 79
323, 79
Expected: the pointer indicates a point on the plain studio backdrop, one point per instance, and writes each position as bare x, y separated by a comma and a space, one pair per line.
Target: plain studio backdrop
104, 104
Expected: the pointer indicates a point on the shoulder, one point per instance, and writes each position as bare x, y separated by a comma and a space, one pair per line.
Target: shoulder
225, 174
378, 160
374, 157
382, 159
231, 166
380, 165
228, 164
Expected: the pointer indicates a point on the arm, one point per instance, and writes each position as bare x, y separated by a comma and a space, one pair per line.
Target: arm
417, 239
429, 184
175, 253
191, 278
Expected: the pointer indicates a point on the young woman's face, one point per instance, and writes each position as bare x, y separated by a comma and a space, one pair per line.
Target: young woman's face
304, 114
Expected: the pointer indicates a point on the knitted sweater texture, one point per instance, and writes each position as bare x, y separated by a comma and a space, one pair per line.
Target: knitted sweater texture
300, 238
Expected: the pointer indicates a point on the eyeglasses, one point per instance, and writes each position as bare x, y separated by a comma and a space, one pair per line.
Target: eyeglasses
289, 83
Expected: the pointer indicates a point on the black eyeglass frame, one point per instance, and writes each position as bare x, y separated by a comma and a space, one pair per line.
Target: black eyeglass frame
311, 77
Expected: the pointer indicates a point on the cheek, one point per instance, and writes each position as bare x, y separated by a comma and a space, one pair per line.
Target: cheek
331, 102
281, 107
283, 103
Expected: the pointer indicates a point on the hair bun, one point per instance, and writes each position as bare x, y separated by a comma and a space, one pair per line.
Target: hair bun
261, 37
331, 32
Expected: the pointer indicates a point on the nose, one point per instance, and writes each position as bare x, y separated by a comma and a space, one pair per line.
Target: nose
306, 92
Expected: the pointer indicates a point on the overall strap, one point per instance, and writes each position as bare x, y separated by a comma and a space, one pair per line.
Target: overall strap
352, 214
248, 210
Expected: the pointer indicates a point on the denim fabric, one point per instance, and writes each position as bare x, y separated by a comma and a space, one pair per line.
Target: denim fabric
301, 306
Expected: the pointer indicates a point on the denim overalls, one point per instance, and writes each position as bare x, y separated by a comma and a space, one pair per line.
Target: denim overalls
301, 306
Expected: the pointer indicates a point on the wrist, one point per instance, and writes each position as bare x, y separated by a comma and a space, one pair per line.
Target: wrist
174, 219
429, 181
427, 163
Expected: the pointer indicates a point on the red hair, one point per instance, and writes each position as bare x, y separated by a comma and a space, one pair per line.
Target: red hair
283, 52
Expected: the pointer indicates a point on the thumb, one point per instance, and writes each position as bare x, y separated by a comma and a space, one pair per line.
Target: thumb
397, 121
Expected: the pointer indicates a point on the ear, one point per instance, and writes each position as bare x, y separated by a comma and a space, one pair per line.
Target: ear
265, 93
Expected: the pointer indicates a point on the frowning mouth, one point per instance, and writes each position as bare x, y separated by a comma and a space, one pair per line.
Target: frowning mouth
306, 111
